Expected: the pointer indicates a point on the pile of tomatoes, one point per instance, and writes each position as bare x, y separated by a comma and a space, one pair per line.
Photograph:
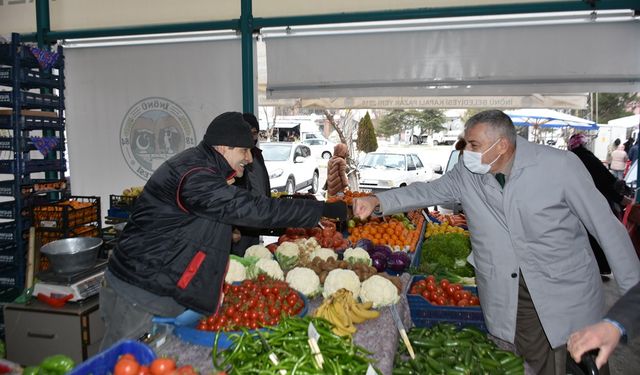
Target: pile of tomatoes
443, 292
128, 365
253, 304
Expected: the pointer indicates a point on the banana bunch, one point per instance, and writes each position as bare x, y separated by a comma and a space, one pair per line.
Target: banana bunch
133, 191
342, 310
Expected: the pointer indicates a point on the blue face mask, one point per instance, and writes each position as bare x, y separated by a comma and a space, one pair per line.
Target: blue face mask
473, 160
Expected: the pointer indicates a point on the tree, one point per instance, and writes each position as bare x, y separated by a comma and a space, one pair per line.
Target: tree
612, 106
367, 141
398, 120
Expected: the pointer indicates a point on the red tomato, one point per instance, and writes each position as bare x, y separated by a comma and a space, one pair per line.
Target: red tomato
431, 278
144, 370
127, 356
126, 367
414, 290
474, 301
421, 282
444, 283
441, 300
185, 370
457, 286
431, 287
450, 290
327, 242
463, 302
457, 296
465, 294
426, 295
162, 366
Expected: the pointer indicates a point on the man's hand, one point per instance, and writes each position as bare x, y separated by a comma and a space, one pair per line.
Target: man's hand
603, 335
364, 207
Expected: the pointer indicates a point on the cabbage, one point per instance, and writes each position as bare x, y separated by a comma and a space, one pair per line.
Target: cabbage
269, 267
378, 290
304, 280
357, 255
339, 278
236, 272
365, 244
382, 249
287, 255
379, 261
398, 261
258, 251
324, 254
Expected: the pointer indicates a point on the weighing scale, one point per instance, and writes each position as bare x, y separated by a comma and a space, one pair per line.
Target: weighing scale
81, 285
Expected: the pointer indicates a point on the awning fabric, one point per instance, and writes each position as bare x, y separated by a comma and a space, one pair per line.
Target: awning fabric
505, 60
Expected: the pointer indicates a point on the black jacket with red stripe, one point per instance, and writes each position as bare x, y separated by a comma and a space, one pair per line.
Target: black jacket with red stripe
177, 240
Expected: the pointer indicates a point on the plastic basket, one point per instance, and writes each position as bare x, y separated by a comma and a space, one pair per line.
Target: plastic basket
45, 236
425, 314
104, 362
67, 214
8, 254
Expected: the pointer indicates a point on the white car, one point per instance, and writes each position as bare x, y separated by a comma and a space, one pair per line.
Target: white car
320, 148
387, 170
291, 167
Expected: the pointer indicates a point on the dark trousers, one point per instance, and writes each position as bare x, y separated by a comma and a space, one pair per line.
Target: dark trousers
122, 319
532, 343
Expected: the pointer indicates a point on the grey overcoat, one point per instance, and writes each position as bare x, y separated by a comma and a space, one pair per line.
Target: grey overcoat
536, 225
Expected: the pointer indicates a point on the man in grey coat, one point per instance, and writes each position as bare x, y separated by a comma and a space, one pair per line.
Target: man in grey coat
527, 207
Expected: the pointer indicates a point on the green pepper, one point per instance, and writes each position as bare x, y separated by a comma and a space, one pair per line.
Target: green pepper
58, 364
31, 370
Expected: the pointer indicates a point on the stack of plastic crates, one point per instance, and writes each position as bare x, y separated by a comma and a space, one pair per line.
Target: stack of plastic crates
32, 146
120, 207
75, 217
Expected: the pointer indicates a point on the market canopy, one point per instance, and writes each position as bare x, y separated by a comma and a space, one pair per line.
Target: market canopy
547, 118
462, 57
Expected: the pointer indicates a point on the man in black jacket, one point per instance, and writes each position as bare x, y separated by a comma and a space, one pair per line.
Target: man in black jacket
174, 251
256, 180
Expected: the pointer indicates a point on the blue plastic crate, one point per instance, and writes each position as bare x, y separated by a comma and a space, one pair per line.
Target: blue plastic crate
425, 314
104, 362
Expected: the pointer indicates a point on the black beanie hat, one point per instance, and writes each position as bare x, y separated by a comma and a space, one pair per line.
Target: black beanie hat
229, 129
251, 119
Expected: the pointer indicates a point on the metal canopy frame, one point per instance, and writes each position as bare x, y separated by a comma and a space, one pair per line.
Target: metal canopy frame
247, 25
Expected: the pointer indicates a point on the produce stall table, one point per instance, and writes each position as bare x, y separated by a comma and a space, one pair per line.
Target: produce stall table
379, 336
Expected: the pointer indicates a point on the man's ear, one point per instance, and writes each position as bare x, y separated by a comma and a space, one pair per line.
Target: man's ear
503, 145
221, 149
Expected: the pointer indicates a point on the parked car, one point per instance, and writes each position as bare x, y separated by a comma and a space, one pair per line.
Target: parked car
387, 170
291, 167
320, 148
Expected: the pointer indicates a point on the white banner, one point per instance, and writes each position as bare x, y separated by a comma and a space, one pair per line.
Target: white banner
131, 108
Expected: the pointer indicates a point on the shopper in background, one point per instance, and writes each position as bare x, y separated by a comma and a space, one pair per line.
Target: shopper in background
622, 322
618, 162
337, 170
605, 183
628, 144
527, 208
610, 149
256, 180
173, 252
633, 151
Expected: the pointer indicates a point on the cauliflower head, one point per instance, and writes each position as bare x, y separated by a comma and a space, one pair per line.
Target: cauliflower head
236, 272
357, 255
378, 290
258, 251
287, 255
324, 254
304, 280
339, 278
269, 267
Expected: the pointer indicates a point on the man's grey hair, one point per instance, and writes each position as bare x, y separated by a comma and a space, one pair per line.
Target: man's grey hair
499, 123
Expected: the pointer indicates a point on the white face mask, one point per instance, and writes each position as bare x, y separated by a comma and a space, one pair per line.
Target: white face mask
473, 160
